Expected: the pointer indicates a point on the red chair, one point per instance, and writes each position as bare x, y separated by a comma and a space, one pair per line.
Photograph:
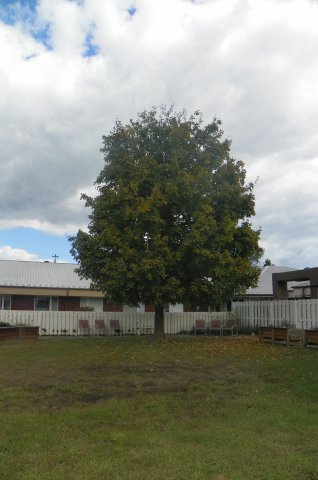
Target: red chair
216, 326
100, 327
83, 327
199, 327
230, 326
114, 328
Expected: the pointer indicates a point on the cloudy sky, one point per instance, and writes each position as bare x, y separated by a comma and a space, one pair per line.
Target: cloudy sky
69, 69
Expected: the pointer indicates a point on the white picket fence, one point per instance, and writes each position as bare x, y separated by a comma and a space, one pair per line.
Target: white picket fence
300, 313
131, 323
183, 322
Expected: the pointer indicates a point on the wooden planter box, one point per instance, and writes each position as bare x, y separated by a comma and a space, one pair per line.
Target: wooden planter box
266, 334
296, 336
16, 332
273, 334
280, 335
288, 336
311, 338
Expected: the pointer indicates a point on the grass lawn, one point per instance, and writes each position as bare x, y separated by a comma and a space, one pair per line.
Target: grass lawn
135, 408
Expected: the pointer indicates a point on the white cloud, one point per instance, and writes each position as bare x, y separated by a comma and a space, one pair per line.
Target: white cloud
253, 64
9, 253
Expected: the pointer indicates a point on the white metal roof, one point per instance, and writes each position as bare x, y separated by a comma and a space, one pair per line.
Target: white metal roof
303, 284
265, 282
15, 273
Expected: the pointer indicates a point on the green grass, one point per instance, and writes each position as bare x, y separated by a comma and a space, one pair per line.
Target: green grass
135, 408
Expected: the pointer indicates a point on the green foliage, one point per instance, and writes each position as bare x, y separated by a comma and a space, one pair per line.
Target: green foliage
267, 262
170, 222
87, 308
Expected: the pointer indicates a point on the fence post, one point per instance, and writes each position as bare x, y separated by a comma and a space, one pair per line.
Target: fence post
251, 319
270, 319
295, 319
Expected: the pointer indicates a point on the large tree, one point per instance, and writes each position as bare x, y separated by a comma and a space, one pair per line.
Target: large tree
170, 221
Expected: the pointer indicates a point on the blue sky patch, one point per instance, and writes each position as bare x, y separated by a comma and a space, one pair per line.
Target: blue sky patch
90, 48
13, 11
43, 244
25, 12
43, 36
31, 4
132, 11
8, 17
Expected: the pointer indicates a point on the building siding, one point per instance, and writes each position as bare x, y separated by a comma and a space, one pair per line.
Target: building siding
149, 308
69, 304
22, 302
109, 307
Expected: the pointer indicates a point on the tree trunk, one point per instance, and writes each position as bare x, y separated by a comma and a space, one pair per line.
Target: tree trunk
159, 321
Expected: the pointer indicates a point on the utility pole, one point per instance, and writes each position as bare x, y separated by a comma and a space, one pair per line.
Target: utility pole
55, 257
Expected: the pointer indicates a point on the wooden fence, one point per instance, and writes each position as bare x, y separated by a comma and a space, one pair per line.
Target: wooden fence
67, 323
277, 313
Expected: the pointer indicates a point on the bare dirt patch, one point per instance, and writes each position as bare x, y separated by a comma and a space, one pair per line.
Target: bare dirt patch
91, 385
61, 374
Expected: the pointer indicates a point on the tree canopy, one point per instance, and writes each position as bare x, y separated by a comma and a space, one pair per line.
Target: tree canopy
267, 262
171, 218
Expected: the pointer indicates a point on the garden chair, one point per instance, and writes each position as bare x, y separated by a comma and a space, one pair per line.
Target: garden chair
216, 326
199, 327
83, 327
230, 326
100, 327
114, 328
